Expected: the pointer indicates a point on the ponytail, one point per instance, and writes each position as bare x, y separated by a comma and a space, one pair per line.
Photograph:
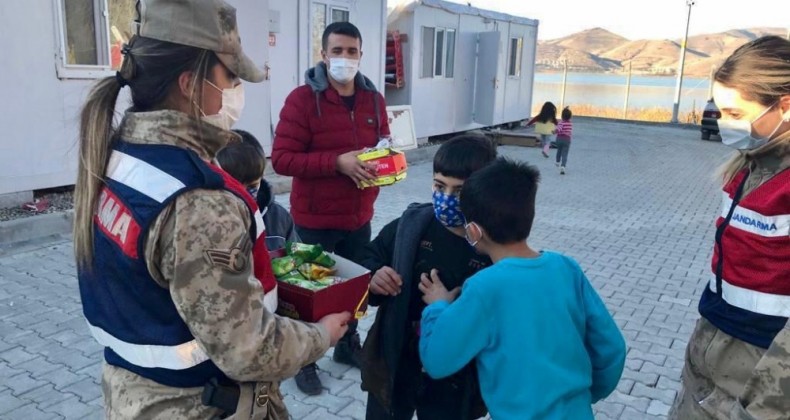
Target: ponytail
96, 132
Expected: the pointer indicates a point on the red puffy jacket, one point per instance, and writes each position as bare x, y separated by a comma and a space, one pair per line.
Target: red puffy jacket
315, 128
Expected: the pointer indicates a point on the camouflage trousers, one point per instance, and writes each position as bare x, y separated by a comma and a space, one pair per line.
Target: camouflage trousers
130, 396
726, 378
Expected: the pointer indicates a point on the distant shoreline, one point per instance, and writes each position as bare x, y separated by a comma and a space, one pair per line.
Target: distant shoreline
618, 72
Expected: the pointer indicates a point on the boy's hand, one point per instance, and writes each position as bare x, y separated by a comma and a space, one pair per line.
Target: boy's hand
433, 289
348, 164
386, 281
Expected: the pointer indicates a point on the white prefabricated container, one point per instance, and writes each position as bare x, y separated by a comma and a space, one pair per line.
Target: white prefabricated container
39, 120
464, 67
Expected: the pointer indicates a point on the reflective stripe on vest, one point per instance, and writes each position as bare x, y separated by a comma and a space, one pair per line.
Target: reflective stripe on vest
753, 222
752, 300
142, 176
178, 357
260, 227
270, 300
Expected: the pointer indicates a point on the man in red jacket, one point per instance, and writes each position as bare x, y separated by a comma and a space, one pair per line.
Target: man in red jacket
323, 126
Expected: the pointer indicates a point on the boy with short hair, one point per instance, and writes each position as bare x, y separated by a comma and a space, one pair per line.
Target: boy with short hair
245, 161
544, 344
427, 236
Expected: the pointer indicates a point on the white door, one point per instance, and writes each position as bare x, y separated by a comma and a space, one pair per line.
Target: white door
488, 86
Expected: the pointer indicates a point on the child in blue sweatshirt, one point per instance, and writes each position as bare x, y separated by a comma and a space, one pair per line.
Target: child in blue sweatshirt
543, 341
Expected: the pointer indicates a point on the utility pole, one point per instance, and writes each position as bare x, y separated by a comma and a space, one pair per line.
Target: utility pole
627, 92
564, 82
676, 105
710, 82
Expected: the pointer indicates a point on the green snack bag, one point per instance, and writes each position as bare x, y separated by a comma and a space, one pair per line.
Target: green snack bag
304, 284
293, 275
305, 252
325, 260
284, 265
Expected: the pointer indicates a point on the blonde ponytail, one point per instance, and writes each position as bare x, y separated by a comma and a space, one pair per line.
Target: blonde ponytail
96, 132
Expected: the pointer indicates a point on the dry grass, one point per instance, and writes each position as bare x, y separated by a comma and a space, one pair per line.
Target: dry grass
655, 114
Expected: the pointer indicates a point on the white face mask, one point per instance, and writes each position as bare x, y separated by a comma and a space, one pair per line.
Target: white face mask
343, 70
738, 133
230, 112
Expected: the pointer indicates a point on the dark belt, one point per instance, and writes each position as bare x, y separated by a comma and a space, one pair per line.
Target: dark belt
223, 395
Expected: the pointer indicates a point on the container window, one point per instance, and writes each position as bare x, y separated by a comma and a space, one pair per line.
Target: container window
514, 58
91, 34
428, 44
439, 57
449, 67
82, 46
339, 15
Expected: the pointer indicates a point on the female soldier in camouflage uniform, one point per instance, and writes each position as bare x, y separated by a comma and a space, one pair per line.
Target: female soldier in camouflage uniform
169, 248
738, 358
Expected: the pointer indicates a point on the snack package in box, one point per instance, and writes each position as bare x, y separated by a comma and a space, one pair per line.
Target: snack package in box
390, 164
310, 300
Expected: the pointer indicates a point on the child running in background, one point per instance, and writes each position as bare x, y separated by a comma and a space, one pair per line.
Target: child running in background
564, 132
544, 344
545, 125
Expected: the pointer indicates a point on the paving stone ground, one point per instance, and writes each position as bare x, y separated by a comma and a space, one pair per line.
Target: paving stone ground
636, 209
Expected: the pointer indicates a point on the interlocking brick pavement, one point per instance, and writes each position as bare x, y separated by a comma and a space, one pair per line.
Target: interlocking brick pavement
636, 209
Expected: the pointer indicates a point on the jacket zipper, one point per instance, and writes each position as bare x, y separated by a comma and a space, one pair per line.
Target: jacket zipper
354, 127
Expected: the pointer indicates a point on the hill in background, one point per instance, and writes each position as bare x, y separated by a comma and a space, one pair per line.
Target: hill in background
599, 50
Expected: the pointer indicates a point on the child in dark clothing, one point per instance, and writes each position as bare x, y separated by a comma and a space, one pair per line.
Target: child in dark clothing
246, 162
544, 344
426, 237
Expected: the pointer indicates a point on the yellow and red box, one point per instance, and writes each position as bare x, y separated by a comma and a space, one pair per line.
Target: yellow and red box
390, 167
312, 305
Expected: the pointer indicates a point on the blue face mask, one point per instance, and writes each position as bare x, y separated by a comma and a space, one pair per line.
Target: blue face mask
253, 192
447, 209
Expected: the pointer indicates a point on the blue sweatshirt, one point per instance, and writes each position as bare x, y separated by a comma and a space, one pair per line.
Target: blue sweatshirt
544, 343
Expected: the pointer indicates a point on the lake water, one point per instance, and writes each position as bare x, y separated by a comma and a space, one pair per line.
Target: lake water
608, 90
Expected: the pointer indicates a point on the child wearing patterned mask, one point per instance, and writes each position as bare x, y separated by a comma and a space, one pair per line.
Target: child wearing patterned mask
426, 237
544, 343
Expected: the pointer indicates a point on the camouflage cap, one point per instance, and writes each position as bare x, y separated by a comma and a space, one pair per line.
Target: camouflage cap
207, 24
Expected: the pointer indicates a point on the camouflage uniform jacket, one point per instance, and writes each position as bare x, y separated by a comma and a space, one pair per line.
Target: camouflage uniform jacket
222, 308
726, 378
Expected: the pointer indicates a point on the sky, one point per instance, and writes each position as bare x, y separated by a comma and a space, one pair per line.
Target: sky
641, 19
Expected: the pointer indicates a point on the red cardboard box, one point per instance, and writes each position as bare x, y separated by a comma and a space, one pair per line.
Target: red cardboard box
312, 305
390, 166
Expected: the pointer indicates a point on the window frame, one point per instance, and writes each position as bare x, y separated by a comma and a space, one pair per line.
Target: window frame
518, 59
446, 58
438, 65
101, 19
442, 63
331, 10
329, 7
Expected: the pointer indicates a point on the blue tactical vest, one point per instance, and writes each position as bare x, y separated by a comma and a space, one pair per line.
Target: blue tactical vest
127, 311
